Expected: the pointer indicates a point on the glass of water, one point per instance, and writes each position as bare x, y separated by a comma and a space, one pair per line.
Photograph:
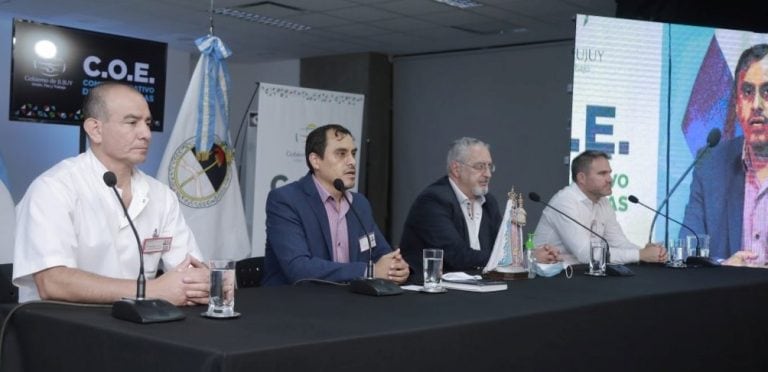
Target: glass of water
690, 245
597, 252
433, 270
677, 251
703, 240
221, 299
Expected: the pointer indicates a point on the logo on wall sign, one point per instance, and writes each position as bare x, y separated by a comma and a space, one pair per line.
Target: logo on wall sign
296, 151
200, 183
301, 134
50, 67
46, 60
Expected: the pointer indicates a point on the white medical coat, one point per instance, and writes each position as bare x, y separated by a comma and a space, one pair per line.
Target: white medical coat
69, 217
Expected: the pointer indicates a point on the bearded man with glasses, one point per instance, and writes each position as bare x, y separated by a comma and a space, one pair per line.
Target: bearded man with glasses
457, 214
729, 190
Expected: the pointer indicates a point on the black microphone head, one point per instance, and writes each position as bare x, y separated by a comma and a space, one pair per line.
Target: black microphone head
633, 199
110, 179
713, 138
534, 196
338, 184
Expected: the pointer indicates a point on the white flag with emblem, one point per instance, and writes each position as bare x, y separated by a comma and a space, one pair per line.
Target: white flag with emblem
198, 163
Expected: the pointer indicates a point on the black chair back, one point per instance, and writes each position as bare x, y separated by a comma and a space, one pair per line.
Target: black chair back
8, 292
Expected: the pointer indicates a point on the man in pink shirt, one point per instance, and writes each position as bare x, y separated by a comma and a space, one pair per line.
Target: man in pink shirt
311, 232
728, 197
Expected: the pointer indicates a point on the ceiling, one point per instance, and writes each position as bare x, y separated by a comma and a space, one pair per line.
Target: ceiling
393, 27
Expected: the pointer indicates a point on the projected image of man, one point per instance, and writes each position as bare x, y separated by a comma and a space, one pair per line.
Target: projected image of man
728, 193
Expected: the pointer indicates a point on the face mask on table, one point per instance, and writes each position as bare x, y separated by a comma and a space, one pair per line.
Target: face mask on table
549, 270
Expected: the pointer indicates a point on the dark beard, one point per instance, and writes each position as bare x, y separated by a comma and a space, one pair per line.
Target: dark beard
760, 149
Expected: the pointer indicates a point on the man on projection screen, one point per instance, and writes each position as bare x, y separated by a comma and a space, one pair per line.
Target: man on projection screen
728, 197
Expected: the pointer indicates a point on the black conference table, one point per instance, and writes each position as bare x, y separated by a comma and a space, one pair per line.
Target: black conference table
660, 319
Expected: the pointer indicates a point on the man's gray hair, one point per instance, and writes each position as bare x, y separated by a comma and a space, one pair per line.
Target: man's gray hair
459, 150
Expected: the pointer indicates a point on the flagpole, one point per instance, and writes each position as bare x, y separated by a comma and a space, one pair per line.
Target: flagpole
245, 113
210, 20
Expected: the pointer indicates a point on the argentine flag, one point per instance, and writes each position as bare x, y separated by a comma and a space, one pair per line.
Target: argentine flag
199, 164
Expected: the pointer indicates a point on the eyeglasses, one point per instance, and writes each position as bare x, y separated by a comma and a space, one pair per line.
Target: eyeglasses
481, 167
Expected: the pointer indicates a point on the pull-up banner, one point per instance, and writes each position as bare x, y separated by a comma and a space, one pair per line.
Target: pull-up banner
286, 116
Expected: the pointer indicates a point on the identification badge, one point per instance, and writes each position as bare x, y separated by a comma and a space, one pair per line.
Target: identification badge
364, 242
156, 244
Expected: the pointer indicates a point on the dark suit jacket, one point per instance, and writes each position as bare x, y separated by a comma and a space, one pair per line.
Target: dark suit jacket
716, 203
437, 221
299, 237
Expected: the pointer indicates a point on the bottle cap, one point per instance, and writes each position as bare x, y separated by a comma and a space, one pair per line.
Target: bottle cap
529, 243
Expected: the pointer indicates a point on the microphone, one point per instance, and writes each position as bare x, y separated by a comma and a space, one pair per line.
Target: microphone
713, 138
369, 285
140, 309
691, 260
111, 180
610, 269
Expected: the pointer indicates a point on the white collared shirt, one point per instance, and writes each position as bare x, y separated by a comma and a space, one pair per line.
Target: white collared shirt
572, 239
69, 217
472, 212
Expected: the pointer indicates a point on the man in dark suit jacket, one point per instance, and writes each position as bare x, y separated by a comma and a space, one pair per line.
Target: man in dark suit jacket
456, 214
311, 231
716, 202
436, 220
727, 199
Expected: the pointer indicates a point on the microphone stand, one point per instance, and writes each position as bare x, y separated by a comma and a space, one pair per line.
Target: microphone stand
140, 310
610, 269
713, 138
697, 260
369, 285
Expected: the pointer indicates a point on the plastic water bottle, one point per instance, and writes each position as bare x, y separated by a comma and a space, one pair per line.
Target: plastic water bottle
529, 258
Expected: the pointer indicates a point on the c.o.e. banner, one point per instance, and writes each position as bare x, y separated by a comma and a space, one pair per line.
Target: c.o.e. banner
54, 67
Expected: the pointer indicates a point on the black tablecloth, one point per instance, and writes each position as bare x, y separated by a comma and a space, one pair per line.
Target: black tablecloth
660, 319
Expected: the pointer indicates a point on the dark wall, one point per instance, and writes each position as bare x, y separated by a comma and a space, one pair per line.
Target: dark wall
515, 99
748, 15
369, 74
